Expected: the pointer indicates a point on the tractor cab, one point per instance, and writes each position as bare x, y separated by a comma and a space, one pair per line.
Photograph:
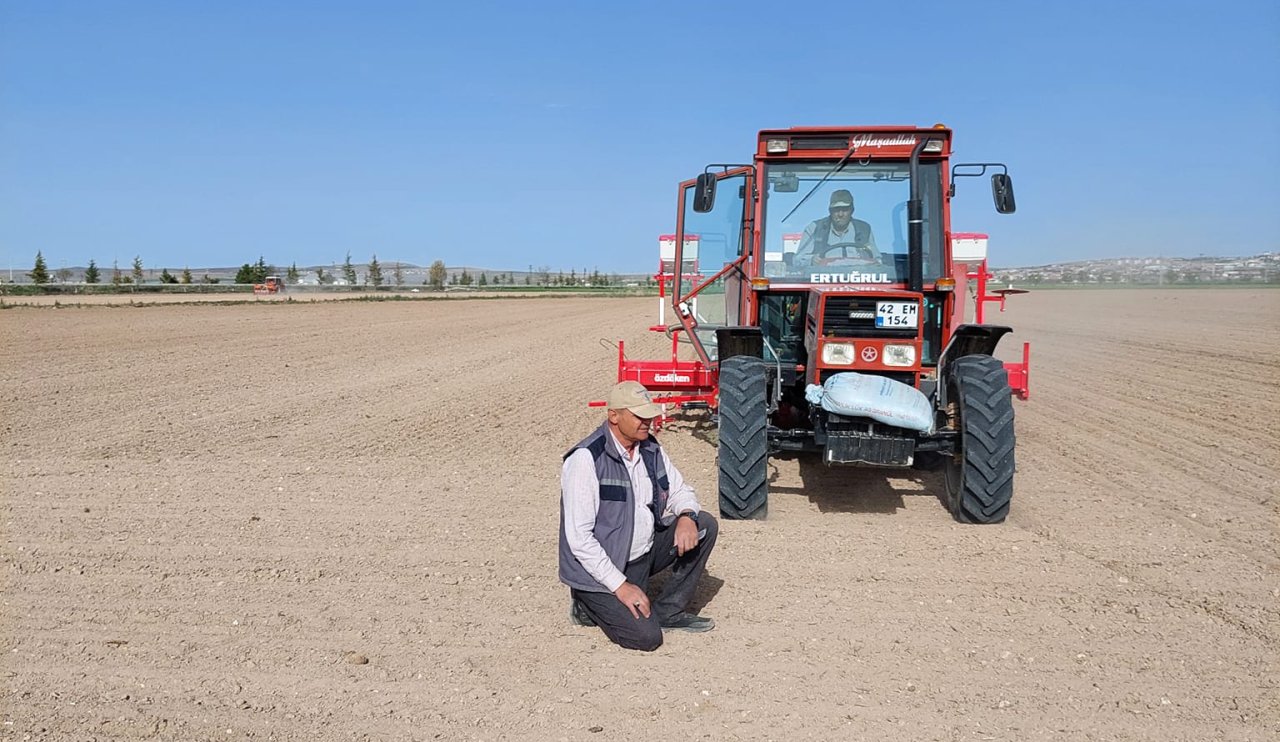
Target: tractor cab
821, 214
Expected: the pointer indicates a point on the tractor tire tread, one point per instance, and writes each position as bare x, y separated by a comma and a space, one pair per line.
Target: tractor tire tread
744, 438
986, 403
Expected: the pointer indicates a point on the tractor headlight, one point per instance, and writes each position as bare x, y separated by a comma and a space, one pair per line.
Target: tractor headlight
899, 355
838, 354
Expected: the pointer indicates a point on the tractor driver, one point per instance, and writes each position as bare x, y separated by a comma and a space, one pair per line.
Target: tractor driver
626, 513
837, 237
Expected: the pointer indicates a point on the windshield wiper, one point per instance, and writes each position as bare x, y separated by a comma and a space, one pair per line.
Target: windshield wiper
818, 185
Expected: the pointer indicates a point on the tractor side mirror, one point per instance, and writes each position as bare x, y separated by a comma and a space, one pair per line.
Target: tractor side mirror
1002, 192
704, 193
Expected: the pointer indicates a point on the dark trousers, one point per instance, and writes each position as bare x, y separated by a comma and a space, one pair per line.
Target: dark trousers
615, 619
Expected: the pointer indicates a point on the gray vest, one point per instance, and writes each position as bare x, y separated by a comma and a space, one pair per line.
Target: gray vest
615, 520
822, 238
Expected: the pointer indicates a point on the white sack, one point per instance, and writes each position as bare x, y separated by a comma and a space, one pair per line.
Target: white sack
877, 397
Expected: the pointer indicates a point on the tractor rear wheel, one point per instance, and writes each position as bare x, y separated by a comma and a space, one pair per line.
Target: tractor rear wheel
979, 476
744, 438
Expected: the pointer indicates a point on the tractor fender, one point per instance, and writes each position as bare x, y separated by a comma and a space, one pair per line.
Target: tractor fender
970, 340
967, 340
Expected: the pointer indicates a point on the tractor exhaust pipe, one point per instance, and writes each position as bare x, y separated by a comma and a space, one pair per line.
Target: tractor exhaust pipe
915, 224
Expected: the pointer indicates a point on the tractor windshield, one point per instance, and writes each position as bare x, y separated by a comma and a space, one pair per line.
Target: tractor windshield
853, 228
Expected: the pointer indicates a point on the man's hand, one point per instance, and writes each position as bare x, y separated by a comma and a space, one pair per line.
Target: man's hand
633, 598
686, 534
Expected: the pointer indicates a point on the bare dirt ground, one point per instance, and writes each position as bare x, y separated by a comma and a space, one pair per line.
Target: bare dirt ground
212, 513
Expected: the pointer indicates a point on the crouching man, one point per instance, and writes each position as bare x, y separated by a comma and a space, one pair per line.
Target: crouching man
625, 515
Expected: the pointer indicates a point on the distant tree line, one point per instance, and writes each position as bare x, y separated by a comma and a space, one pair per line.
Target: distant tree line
255, 272
39, 273
438, 276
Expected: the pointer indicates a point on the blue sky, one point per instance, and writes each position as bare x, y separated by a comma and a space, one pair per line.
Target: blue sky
507, 134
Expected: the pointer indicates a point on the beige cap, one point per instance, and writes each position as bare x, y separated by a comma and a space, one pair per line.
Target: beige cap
631, 395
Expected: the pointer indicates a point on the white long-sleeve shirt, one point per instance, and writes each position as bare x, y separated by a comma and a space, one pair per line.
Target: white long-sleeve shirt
580, 493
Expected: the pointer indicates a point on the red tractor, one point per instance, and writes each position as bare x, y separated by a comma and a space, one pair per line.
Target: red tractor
829, 259
270, 285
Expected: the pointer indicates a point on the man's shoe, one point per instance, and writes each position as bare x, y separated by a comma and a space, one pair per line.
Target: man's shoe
689, 622
578, 614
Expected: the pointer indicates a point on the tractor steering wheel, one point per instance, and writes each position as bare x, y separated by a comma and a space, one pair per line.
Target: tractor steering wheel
862, 256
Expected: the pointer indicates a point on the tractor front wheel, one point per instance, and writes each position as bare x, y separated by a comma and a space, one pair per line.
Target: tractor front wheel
979, 476
744, 438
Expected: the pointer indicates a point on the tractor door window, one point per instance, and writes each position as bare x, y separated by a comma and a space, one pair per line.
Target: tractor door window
718, 243
782, 321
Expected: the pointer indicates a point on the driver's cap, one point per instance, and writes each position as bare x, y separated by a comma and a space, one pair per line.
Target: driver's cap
841, 199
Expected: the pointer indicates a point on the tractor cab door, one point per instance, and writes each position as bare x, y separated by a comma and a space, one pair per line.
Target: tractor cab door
710, 261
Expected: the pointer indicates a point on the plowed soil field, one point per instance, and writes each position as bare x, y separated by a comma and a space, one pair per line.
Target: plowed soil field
338, 521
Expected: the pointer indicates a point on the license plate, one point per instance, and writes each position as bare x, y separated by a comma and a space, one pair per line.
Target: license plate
904, 314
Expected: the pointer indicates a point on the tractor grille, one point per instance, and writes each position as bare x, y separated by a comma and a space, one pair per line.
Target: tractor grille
855, 317
906, 377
